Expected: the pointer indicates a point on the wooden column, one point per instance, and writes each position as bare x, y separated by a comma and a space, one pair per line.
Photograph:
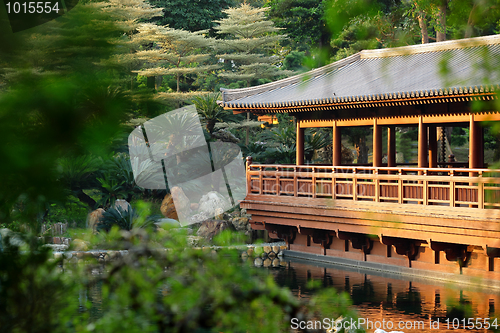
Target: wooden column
336, 145
475, 144
377, 144
391, 146
433, 156
300, 145
422, 143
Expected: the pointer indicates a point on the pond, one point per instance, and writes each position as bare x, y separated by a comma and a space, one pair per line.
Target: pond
382, 300
407, 304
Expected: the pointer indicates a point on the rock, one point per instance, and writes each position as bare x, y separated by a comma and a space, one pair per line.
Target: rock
167, 223
244, 256
250, 251
182, 203
267, 263
276, 263
219, 214
200, 217
276, 249
267, 249
167, 207
210, 202
271, 255
94, 219
210, 228
257, 262
121, 204
80, 245
225, 136
240, 223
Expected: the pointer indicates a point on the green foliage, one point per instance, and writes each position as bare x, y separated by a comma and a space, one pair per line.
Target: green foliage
65, 106
314, 141
191, 15
249, 39
210, 111
34, 295
303, 20
293, 61
72, 211
123, 219
198, 292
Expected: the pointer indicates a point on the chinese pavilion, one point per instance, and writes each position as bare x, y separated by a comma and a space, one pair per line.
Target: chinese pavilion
438, 216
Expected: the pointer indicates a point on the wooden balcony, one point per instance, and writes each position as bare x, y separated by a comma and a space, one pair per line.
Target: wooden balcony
448, 205
479, 188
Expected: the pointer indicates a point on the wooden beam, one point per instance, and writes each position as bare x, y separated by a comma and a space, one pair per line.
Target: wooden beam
300, 145
391, 146
377, 144
422, 144
474, 143
337, 145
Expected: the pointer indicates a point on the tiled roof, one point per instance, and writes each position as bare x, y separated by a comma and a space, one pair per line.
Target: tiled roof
453, 68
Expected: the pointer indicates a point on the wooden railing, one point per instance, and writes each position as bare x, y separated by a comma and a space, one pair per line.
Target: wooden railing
476, 188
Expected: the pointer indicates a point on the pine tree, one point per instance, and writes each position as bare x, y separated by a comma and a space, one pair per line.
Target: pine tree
128, 15
176, 52
249, 37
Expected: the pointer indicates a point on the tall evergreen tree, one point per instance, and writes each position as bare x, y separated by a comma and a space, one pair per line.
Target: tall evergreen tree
249, 37
175, 52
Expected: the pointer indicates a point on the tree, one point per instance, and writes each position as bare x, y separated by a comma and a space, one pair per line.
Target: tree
175, 52
67, 106
249, 37
303, 20
190, 15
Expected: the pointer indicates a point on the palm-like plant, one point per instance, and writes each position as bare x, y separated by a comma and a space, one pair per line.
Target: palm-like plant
210, 111
276, 136
313, 142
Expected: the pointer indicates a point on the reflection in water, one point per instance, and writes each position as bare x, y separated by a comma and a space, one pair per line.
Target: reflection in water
381, 296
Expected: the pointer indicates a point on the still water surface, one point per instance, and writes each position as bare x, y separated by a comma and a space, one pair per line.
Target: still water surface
420, 305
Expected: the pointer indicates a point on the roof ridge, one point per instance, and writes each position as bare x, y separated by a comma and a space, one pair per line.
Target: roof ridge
231, 94
430, 47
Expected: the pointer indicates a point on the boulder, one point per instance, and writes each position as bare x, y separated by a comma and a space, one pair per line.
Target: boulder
167, 207
240, 223
167, 223
182, 203
80, 245
225, 136
94, 218
210, 228
197, 218
219, 213
212, 203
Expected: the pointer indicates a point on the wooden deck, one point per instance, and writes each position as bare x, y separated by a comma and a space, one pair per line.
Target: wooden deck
453, 211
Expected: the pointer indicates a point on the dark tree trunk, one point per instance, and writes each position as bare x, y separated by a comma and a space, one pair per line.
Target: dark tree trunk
83, 197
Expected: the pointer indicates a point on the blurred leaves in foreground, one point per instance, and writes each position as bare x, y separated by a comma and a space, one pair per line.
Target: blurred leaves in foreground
57, 100
161, 285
